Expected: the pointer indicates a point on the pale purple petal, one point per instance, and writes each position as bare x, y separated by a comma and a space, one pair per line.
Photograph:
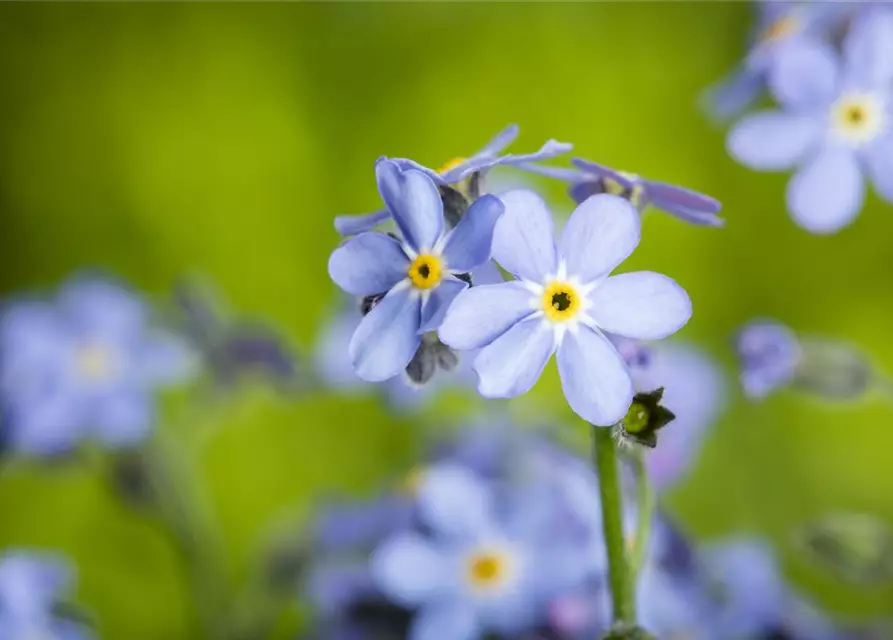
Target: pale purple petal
594, 377
100, 307
387, 337
826, 194
730, 96
879, 162
438, 303
369, 263
804, 74
46, 425
500, 141
550, 149
601, 233
642, 305
123, 417
409, 570
773, 140
166, 359
330, 356
602, 171
455, 620
469, 244
487, 273
349, 225
511, 364
483, 313
581, 191
689, 205
414, 202
868, 47
453, 502
523, 242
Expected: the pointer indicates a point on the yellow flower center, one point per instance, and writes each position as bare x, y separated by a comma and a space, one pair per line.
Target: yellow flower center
779, 29
487, 569
560, 301
95, 362
857, 118
425, 271
452, 164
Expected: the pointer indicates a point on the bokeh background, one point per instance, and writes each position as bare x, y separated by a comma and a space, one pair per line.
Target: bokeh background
157, 140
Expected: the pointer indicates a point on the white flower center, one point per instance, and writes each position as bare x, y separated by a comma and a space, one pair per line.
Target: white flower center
858, 118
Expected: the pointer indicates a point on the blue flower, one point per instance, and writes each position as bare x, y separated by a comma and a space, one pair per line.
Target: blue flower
418, 273
589, 179
563, 300
31, 585
85, 365
780, 25
456, 171
477, 572
769, 355
834, 124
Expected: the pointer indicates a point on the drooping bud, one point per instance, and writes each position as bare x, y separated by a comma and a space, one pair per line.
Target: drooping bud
644, 418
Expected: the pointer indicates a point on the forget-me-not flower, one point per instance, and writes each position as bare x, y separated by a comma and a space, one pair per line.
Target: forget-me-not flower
563, 301
31, 585
769, 353
456, 171
589, 179
478, 571
834, 124
419, 272
84, 365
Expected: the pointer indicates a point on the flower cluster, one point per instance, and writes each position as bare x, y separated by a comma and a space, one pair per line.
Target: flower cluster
833, 117
499, 535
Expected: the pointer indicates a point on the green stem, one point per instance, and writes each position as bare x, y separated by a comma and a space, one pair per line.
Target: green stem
620, 578
645, 500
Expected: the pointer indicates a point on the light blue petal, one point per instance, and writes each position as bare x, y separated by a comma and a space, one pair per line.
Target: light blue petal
455, 620
100, 307
732, 95
453, 502
483, 313
826, 194
166, 359
349, 225
511, 364
551, 149
438, 303
500, 141
686, 204
414, 202
804, 74
600, 234
409, 570
602, 171
369, 263
773, 140
334, 588
523, 242
594, 377
469, 244
123, 417
868, 48
642, 305
387, 337
47, 424
487, 273
331, 357
879, 161
30, 582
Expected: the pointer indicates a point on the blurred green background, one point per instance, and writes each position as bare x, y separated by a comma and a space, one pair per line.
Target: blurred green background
157, 140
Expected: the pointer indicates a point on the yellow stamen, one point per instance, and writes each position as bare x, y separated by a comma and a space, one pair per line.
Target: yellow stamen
779, 29
426, 271
560, 301
452, 164
486, 569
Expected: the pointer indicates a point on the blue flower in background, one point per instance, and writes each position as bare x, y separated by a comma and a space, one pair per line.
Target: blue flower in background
563, 300
477, 571
84, 365
779, 25
31, 585
419, 274
834, 124
456, 171
589, 179
769, 354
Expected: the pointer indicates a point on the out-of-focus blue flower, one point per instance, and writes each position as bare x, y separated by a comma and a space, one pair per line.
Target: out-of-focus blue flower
589, 179
456, 171
476, 571
779, 26
674, 607
563, 300
834, 124
85, 365
31, 585
693, 391
769, 353
419, 273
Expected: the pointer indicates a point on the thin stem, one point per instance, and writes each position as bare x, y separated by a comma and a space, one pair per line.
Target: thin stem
620, 578
645, 500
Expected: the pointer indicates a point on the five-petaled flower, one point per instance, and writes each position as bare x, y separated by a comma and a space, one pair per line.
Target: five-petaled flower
418, 273
562, 301
459, 170
835, 124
